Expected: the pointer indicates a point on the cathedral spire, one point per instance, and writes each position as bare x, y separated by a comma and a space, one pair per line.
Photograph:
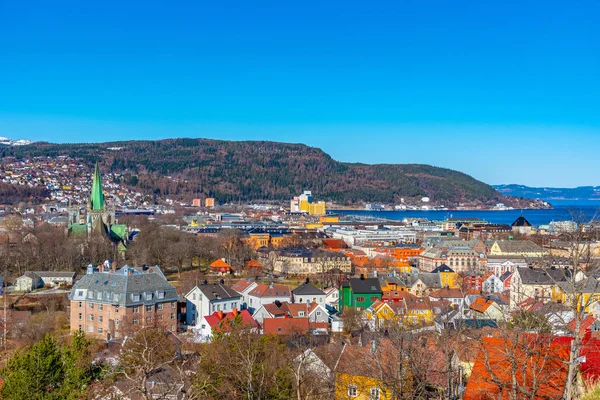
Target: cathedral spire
97, 197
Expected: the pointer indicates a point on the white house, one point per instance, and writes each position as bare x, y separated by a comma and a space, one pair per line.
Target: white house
308, 293
332, 297
267, 294
498, 265
32, 280
492, 284
317, 313
207, 298
206, 326
244, 287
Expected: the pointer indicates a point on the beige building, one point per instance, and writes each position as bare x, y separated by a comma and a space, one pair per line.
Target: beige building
306, 262
514, 248
109, 304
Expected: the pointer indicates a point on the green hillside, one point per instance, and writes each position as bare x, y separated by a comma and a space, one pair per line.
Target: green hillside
238, 171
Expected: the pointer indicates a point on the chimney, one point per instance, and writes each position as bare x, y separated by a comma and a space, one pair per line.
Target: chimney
234, 312
220, 315
362, 277
373, 346
222, 281
205, 282
278, 303
307, 280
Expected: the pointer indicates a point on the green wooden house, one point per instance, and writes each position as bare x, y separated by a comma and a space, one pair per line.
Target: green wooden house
359, 293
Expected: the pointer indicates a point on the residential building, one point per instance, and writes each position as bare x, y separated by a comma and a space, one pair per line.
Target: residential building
266, 294
492, 284
332, 296
379, 315
454, 296
107, 304
535, 284
244, 287
301, 261
32, 280
220, 267
308, 293
515, 248
220, 322
206, 298
359, 293
498, 265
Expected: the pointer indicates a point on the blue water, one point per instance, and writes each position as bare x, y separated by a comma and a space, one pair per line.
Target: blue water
562, 212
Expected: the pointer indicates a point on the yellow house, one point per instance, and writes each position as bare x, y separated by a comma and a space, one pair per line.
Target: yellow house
587, 292
379, 315
373, 370
448, 278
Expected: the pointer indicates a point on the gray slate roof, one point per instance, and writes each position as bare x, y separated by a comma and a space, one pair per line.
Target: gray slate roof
366, 285
307, 289
217, 291
125, 287
543, 276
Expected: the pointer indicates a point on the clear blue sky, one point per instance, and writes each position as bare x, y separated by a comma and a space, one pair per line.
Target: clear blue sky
508, 91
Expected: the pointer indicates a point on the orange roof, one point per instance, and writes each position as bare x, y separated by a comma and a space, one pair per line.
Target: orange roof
447, 293
241, 285
219, 263
534, 358
481, 304
253, 264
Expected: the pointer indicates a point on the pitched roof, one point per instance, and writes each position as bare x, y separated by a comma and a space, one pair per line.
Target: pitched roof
491, 377
121, 287
521, 221
217, 291
447, 293
285, 326
481, 304
442, 268
307, 289
365, 285
219, 263
273, 290
543, 276
519, 246
220, 320
55, 274
242, 285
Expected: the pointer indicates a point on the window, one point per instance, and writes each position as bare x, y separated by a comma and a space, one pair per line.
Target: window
91, 317
116, 322
100, 307
318, 313
148, 320
136, 297
301, 313
80, 293
116, 309
352, 391
80, 304
172, 315
80, 316
79, 327
161, 295
99, 295
159, 306
136, 309
218, 307
194, 296
173, 304
160, 317
136, 321
172, 328
91, 306
91, 329
148, 308
360, 298
100, 318
148, 296
375, 394
99, 330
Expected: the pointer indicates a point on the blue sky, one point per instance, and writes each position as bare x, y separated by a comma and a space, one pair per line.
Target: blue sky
507, 91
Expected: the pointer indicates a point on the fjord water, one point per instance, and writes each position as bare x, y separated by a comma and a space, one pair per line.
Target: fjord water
563, 211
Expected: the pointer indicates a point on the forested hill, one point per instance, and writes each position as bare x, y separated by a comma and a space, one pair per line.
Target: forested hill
238, 171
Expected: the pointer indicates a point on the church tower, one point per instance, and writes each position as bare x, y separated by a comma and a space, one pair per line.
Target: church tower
99, 216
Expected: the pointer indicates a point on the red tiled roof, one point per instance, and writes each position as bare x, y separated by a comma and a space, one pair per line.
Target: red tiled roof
447, 293
335, 243
220, 320
277, 290
535, 359
285, 326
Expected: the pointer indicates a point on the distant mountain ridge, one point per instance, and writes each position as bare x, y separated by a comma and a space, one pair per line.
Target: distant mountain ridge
4, 141
260, 170
549, 193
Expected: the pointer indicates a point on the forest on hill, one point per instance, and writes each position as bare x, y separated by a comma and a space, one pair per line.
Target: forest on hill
257, 170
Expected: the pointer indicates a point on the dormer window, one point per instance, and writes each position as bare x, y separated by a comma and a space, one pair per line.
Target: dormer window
135, 297
148, 296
